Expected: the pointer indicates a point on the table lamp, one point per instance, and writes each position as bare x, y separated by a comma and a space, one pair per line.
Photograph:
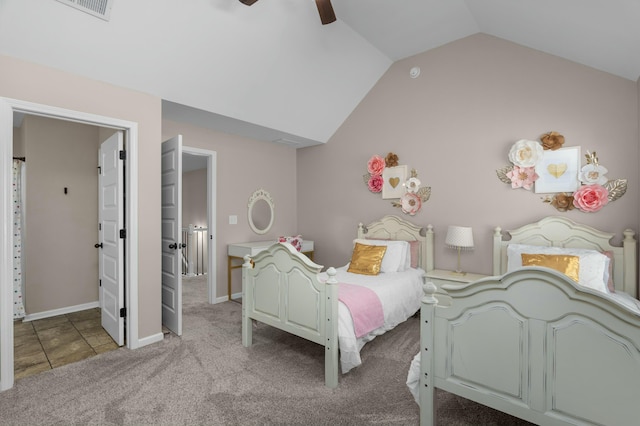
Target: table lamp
460, 238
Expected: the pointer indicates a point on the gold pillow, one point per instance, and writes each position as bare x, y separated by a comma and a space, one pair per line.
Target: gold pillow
366, 260
568, 265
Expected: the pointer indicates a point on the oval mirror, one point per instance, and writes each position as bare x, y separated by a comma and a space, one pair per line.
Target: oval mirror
260, 211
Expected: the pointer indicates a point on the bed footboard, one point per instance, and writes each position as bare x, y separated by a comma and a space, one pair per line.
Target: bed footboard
282, 288
531, 344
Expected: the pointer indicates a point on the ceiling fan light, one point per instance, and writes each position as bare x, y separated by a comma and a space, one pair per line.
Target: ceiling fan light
248, 2
327, 15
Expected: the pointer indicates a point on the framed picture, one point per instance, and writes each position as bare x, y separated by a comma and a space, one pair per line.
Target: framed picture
558, 170
393, 179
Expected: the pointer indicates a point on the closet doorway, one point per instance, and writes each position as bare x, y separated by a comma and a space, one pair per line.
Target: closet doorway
10, 108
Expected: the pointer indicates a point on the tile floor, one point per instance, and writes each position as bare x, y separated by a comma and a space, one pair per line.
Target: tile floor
48, 343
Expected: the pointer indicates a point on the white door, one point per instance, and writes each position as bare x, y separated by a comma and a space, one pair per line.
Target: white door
172, 234
111, 243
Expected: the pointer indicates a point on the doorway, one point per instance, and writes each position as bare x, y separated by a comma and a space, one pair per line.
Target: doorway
178, 163
9, 107
71, 205
195, 159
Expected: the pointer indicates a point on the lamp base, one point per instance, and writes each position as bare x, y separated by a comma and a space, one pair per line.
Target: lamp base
460, 273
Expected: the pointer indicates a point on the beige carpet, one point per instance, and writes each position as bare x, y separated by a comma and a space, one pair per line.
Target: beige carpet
208, 377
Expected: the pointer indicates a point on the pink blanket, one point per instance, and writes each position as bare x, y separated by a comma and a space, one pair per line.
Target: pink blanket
364, 305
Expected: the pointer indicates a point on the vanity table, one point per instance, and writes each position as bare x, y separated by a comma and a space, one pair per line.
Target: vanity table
240, 250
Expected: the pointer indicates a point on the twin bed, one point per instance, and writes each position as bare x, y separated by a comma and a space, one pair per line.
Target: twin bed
285, 289
531, 342
528, 341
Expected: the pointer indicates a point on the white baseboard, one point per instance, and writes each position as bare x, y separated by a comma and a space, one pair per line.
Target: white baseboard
61, 311
225, 298
154, 338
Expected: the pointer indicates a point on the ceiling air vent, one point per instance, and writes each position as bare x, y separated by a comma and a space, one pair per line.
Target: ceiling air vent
98, 8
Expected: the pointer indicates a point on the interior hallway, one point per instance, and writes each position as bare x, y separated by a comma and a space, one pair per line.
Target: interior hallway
48, 343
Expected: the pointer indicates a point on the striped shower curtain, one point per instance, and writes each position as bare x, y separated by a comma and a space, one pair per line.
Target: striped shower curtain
18, 305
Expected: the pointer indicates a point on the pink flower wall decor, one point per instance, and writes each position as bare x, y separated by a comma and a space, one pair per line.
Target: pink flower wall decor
591, 198
522, 177
568, 186
375, 183
375, 166
410, 203
407, 194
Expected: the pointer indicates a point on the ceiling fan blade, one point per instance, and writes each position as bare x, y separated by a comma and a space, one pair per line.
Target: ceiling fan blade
327, 15
248, 2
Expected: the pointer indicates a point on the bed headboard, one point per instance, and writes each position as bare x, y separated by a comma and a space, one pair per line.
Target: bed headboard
555, 231
395, 228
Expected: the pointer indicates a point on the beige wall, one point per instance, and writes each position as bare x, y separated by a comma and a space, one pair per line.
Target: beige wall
243, 165
35, 83
61, 264
194, 198
455, 124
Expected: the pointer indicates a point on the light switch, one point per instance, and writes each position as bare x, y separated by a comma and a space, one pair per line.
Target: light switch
233, 219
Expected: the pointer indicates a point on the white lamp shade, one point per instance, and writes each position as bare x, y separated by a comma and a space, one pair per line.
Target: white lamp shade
459, 237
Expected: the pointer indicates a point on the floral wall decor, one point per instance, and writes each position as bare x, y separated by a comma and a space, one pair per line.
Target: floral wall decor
393, 181
550, 167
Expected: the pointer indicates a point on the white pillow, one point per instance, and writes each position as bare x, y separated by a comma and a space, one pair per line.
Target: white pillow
407, 261
395, 257
594, 266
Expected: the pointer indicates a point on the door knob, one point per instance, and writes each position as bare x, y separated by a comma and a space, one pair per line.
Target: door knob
98, 245
183, 245
173, 246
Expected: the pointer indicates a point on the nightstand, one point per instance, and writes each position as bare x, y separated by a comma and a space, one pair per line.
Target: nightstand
440, 277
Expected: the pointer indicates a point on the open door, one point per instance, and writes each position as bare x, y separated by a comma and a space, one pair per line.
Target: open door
111, 241
172, 234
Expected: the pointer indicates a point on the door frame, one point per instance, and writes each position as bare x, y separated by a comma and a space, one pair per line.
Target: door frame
212, 268
8, 107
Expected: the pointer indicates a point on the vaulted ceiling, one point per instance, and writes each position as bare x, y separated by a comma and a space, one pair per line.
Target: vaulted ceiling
273, 72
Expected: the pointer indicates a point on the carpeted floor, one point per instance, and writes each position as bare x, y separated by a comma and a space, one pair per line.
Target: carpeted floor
208, 377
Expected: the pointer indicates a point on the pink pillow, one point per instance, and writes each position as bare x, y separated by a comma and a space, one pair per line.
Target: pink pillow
414, 250
610, 284
414, 246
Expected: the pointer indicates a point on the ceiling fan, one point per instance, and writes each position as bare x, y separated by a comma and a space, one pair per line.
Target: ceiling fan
325, 10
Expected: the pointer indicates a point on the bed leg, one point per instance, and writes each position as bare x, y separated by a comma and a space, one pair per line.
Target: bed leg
247, 326
247, 330
331, 332
331, 368
427, 383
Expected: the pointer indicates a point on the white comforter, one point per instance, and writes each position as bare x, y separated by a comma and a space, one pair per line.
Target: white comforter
399, 293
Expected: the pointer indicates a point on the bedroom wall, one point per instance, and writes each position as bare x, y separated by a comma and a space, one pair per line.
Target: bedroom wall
61, 265
243, 165
455, 124
35, 83
194, 198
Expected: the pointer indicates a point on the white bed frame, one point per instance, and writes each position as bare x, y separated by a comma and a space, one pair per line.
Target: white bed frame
533, 345
281, 288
